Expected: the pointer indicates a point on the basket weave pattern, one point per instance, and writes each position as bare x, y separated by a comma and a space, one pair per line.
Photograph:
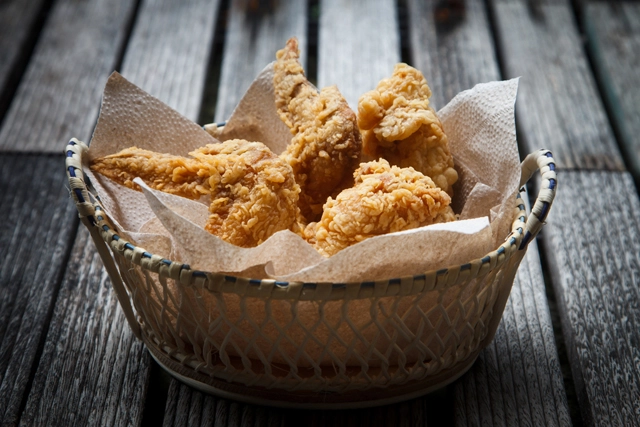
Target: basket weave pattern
312, 337
319, 338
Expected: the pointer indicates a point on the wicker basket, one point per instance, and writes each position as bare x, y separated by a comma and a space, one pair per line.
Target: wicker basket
314, 345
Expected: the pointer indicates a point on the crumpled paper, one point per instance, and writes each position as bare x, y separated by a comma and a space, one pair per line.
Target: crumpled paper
481, 129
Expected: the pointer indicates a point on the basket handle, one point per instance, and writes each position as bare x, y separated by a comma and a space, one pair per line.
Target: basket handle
86, 211
541, 160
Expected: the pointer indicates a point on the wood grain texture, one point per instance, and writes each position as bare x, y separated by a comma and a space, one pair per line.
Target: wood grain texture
452, 47
38, 224
19, 22
92, 371
169, 50
90, 354
256, 30
613, 35
59, 95
593, 248
189, 407
358, 45
558, 105
517, 379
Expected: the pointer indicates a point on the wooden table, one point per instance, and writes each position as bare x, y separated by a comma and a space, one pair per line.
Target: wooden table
568, 348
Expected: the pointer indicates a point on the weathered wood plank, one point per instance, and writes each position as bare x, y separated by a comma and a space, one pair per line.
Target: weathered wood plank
91, 359
59, 95
107, 383
593, 247
189, 407
256, 30
169, 50
358, 45
613, 36
19, 27
517, 378
558, 106
38, 226
453, 48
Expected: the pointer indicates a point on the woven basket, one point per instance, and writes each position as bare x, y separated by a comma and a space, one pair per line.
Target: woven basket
314, 345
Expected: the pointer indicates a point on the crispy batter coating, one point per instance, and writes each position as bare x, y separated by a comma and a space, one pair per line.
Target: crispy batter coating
326, 145
253, 192
398, 124
172, 174
384, 199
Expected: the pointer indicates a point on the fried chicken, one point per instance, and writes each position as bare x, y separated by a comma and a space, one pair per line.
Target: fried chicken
383, 200
326, 144
398, 124
253, 192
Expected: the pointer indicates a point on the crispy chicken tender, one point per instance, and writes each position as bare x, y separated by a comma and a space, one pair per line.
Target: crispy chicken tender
398, 124
383, 200
326, 144
253, 192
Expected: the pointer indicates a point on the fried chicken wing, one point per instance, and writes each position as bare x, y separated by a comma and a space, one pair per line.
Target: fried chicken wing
326, 144
172, 174
383, 200
253, 192
398, 124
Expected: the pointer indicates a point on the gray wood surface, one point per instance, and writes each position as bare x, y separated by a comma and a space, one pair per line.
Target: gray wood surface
189, 407
517, 379
255, 31
561, 109
613, 35
38, 225
558, 105
593, 246
19, 22
453, 49
358, 45
59, 94
169, 50
93, 371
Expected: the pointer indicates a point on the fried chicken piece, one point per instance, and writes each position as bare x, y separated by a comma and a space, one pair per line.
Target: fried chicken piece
326, 145
253, 192
398, 124
383, 200
172, 174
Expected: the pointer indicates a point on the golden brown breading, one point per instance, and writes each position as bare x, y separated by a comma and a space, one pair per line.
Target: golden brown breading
383, 200
172, 174
326, 145
253, 192
398, 124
